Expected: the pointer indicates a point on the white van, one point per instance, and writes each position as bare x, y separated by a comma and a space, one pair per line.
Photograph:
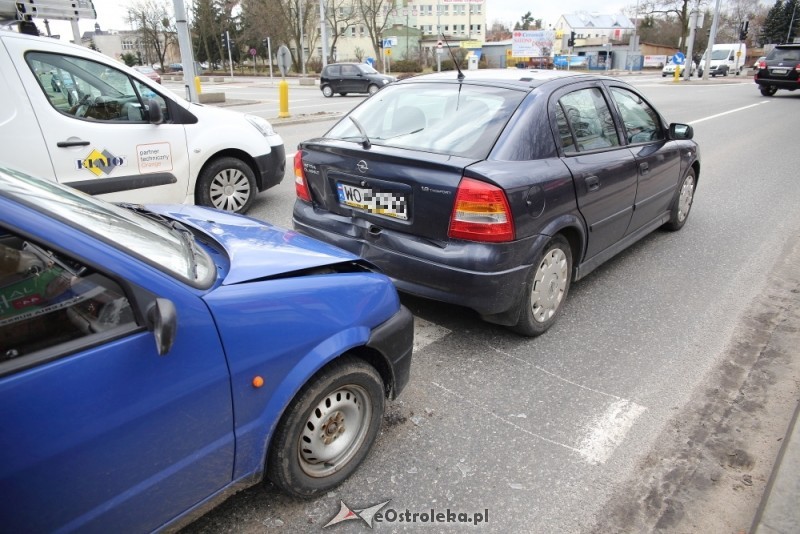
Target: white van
725, 58
81, 118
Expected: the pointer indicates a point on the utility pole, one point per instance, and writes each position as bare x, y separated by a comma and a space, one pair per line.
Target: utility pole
323, 23
711, 38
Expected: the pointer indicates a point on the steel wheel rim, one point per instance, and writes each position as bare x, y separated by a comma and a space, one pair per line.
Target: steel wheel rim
372, 89
327, 91
334, 431
230, 190
685, 198
549, 285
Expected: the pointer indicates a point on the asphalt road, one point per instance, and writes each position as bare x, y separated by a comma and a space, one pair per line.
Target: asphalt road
548, 434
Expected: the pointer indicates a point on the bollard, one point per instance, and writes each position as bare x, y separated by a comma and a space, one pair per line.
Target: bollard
677, 76
283, 99
197, 85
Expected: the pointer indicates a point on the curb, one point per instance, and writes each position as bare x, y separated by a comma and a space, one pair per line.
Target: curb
779, 511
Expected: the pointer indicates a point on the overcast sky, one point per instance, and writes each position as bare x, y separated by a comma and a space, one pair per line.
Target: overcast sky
111, 13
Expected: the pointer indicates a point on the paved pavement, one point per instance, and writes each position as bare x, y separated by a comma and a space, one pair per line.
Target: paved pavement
779, 511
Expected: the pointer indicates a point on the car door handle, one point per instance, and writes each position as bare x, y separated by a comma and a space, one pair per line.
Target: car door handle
592, 183
644, 168
67, 144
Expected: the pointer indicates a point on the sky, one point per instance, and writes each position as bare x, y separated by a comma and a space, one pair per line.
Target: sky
111, 13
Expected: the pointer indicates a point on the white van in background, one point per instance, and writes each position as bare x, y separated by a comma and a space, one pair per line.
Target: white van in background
81, 118
725, 59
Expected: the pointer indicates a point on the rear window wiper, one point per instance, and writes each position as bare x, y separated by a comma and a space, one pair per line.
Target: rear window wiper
365, 139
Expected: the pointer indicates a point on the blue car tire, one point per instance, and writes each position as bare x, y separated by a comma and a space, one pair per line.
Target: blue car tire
328, 429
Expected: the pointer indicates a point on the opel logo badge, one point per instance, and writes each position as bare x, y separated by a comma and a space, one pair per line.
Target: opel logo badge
362, 166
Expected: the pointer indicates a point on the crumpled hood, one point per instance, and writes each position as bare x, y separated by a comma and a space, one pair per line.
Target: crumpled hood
256, 248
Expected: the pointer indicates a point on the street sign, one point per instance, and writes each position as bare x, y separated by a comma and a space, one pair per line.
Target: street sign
439, 45
387, 43
679, 58
388, 51
253, 52
284, 59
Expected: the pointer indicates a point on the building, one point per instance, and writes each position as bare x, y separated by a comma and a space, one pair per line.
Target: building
414, 28
603, 39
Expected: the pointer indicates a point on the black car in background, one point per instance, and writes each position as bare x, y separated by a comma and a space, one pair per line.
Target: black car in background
779, 70
498, 190
346, 78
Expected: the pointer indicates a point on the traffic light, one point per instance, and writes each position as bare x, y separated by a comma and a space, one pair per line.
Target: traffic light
743, 30
265, 42
571, 40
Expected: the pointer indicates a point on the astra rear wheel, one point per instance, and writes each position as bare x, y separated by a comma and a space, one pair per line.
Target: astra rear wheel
546, 289
328, 429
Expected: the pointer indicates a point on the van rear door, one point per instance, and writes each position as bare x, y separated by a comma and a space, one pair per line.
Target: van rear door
94, 121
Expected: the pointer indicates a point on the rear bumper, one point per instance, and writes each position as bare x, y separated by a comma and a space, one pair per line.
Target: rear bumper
271, 168
395, 339
780, 83
487, 277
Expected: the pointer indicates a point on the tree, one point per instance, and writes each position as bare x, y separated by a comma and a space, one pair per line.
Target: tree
375, 14
776, 24
672, 9
339, 16
498, 32
526, 20
129, 59
156, 27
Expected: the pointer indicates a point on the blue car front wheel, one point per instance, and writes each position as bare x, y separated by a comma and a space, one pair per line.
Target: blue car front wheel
328, 429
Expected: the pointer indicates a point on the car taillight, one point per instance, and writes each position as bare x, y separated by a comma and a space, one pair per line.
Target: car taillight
762, 64
481, 213
300, 182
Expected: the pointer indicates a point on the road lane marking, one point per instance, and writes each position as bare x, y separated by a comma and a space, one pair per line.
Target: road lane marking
426, 332
545, 371
727, 112
609, 430
502, 419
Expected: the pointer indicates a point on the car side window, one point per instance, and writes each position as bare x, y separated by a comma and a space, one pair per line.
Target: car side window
349, 70
48, 300
642, 124
333, 70
89, 90
586, 116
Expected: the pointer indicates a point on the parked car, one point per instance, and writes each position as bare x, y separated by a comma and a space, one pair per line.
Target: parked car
104, 128
154, 359
150, 72
498, 190
175, 67
344, 78
779, 70
669, 69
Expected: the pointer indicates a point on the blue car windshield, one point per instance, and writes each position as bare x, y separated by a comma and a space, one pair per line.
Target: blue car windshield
443, 118
157, 243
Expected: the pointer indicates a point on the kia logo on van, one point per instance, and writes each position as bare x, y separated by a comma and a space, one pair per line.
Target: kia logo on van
362, 166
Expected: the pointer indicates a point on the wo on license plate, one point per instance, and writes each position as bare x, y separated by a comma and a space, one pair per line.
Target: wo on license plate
387, 203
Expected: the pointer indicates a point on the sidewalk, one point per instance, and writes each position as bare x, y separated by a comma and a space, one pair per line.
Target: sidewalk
779, 512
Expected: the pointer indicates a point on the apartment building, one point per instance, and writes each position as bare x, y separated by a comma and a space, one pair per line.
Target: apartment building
415, 28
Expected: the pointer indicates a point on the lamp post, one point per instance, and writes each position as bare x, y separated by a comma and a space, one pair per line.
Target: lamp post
302, 39
323, 32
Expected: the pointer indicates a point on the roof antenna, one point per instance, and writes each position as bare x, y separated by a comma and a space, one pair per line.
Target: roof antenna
458, 68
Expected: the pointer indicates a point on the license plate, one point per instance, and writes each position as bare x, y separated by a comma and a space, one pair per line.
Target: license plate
388, 203
779, 71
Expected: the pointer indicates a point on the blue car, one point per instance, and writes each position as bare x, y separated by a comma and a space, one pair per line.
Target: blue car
156, 359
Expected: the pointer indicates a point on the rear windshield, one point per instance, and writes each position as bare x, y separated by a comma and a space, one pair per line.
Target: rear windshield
443, 118
784, 54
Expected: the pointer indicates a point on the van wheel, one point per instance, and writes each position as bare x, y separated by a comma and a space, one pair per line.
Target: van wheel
226, 184
328, 429
546, 289
768, 90
372, 89
327, 92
